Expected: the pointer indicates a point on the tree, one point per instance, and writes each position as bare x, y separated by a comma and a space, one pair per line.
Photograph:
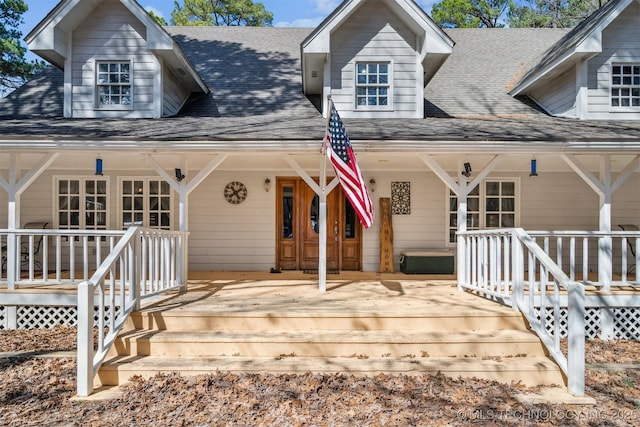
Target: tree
15, 70
469, 13
159, 19
221, 12
552, 13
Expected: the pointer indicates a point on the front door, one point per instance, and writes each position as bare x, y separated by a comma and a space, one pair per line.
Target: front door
297, 222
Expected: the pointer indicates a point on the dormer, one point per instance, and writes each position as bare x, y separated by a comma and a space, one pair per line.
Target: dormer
593, 72
117, 61
374, 58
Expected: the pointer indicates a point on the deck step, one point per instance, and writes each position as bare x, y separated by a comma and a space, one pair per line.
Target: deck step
527, 370
502, 343
343, 319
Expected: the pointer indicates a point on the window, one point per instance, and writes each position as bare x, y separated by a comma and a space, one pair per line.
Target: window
373, 85
146, 202
491, 205
82, 203
114, 85
625, 85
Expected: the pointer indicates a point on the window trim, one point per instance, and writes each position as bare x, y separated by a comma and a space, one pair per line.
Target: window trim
635, 66
97, 85
389, 85
82, 211
146, 208
482, 196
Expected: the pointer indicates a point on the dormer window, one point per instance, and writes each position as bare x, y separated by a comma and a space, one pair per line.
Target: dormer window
625, 85
373, 85
114, 85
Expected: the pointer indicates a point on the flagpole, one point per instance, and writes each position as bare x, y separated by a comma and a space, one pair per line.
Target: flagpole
322, 223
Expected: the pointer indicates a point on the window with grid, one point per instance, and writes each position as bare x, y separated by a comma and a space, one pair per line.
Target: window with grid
491, 205
373, 85
114, 84
82, 203
625, 85
146, 202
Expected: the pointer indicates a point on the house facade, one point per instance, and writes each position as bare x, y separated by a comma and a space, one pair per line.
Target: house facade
217, 130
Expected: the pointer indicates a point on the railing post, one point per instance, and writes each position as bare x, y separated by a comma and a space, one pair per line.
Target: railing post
134, 260
517, 271
84, 361
463, 273
13, 273
576, 334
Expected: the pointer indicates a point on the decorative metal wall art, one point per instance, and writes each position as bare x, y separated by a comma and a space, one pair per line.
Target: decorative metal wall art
401, 198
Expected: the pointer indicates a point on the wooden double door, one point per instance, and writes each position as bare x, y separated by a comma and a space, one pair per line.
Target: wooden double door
297, 225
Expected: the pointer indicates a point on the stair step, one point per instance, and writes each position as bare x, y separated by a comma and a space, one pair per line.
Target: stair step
528, 370
329, 343
179, 320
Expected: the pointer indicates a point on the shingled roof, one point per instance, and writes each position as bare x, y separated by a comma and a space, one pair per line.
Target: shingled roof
256, 97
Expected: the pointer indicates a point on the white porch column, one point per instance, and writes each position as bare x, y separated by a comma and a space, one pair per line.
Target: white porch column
322, 191
184, 187
461, 222
605, 246
604, 188
462, 190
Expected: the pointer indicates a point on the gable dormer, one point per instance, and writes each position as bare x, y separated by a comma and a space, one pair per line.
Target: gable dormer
374, 58
594, 71
117, 61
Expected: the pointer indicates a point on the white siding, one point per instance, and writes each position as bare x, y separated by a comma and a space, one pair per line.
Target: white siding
226, 237
174, 96
558, 96
620, 43
242, 237
371, 35
111, 32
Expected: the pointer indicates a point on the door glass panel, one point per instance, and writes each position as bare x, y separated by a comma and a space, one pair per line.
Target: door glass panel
314, 213
287, 212
349, 221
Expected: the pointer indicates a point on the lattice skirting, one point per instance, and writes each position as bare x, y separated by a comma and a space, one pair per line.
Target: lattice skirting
626, 323
41, 317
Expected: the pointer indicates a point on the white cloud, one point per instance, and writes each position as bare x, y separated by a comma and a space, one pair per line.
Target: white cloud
325, 6
426, 5
302, 22
155, 11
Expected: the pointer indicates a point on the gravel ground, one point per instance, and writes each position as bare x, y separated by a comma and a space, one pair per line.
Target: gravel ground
37, 391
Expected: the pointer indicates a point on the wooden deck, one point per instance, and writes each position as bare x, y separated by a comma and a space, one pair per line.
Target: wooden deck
364, 324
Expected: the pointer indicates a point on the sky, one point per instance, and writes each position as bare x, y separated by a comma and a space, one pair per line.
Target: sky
286, 13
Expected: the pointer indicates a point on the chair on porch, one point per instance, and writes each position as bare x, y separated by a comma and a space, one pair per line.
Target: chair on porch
630, 227
24, 247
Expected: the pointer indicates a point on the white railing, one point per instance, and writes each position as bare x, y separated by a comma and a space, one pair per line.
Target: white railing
143, 263
579, 253
509, 266
53, 257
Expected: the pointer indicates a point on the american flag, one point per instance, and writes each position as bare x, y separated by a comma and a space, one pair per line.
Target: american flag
341, 156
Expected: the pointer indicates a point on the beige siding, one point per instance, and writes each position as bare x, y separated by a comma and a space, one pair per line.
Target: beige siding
619, 44
558, 96
228, 237
423, 228
174, 96
372, 36
111, 32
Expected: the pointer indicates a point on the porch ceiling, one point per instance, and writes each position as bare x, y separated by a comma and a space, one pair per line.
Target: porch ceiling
275, 162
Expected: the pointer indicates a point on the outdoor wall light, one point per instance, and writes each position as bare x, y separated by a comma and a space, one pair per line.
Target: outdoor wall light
267, 184
373, 185
534, 168
99, 166
179, 175
467, 170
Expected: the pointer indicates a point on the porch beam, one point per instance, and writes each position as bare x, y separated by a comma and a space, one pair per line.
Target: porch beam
303, 174
626, 173
584, 173
441, 173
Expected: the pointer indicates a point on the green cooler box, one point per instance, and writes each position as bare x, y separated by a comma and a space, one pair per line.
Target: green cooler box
426, 262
